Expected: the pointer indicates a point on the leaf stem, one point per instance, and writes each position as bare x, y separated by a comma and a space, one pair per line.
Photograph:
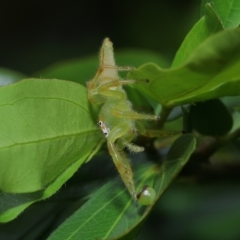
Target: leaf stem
163, 116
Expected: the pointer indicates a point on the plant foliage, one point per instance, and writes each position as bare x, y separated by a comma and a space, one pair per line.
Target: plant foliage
48, 127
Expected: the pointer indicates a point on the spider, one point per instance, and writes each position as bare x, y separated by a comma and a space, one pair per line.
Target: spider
117, 118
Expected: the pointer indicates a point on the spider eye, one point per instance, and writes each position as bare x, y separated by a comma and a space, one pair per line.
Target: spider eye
100, 123
146, 196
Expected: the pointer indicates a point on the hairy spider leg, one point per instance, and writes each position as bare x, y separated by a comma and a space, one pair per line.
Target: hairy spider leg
132, 115
131, 147
151, 133
119, 157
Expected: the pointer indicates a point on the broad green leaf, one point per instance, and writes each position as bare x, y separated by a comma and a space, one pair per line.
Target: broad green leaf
83, 70
211, 118
110, 212
45, 127
228, 11
8, 76
11, 205
206, 26
212, 71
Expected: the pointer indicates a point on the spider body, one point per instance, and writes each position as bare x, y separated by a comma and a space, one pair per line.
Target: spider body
116, 107
116, 117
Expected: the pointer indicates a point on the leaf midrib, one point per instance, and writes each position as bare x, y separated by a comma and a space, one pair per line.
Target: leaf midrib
51, 138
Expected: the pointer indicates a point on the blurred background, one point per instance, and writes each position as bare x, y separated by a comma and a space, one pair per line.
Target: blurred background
36, 34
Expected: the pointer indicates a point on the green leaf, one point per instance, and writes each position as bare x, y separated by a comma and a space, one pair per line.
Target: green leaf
13, 204
111, 210
216, 16
111, 207
211, 118
177, 157
205, 27
228, 12
8, 76
45, 127
212, 71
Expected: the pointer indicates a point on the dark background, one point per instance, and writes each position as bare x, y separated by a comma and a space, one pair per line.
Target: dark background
35, 34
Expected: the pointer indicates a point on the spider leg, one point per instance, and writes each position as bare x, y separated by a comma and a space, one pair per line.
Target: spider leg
115, 83
110, 89
132, 147
106, 91
118, 68
155, 133
97, 94
132, 115
119, 157
159, 133
127, 142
